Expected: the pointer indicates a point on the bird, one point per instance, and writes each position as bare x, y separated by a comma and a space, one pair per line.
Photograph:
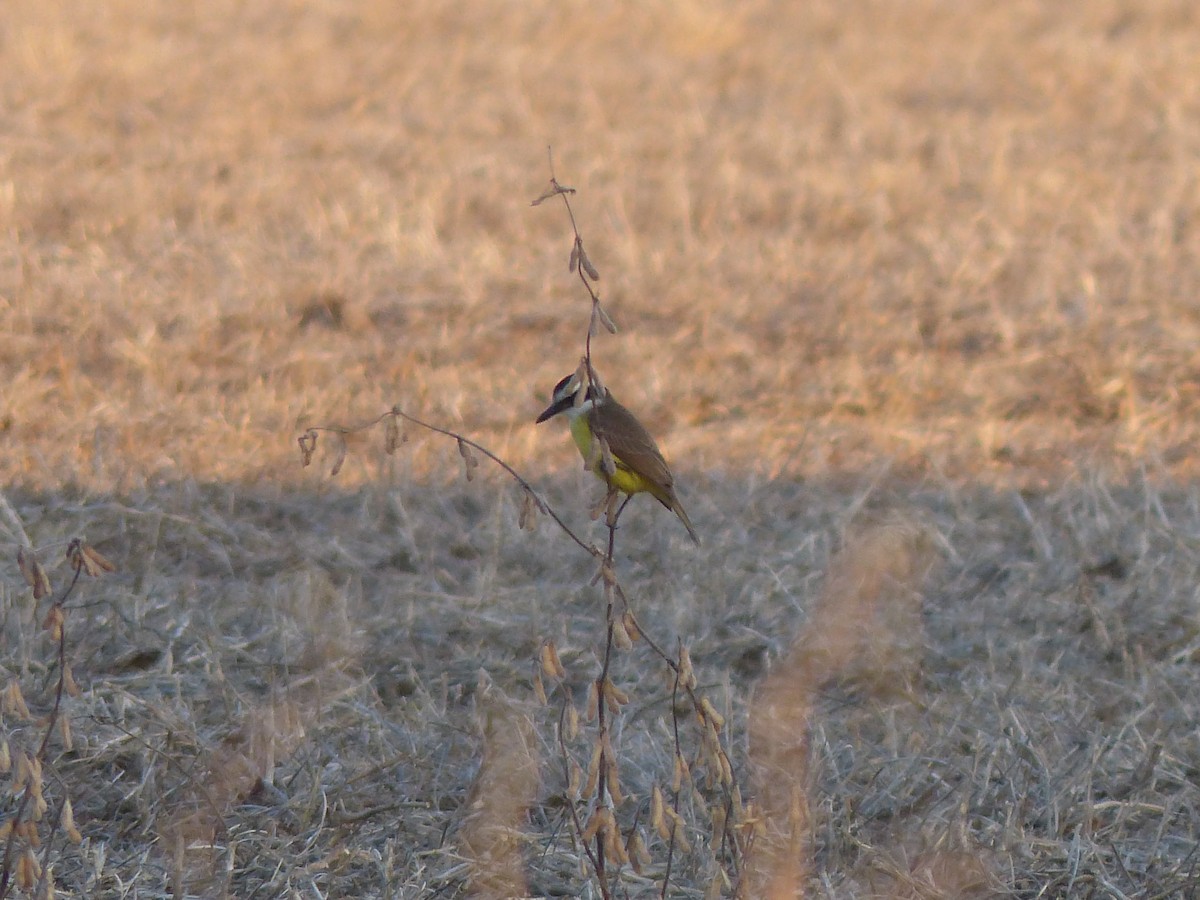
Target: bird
637, 463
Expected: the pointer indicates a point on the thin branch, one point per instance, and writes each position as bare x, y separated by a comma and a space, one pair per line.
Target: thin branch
309, 438
674, 794
52, 720
684, 680
562, 745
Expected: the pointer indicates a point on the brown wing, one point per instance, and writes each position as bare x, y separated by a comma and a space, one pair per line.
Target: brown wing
633, 446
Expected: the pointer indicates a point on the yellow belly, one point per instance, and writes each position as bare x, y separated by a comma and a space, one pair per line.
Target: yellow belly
624, 479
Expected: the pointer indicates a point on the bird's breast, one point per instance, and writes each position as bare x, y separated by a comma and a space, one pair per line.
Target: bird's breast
581, 432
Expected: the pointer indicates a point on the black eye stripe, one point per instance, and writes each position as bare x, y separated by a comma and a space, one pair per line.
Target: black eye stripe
559, 391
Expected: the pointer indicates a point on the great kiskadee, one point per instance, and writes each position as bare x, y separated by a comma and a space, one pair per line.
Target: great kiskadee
637, 463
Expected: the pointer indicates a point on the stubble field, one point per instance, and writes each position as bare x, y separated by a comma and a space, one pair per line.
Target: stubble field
907, 292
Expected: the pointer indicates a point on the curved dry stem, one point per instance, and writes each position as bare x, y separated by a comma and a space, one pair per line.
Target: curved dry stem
595, 858
308, 441
602, 793
6, 870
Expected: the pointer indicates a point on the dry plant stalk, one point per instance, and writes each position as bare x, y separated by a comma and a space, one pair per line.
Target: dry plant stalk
498, 803
865, 629
934, 873
29, 829
600, 835
778, 826
490, 836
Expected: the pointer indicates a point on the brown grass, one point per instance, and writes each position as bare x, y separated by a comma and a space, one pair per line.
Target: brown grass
928, 263
498, 803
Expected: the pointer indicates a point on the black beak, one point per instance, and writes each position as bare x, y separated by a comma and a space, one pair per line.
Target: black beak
555, 408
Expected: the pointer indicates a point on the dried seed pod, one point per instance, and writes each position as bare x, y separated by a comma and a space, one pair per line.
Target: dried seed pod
726, 768
709, 712
614, 507
595, 455
607, 464
553, 191
687, 676
583, 377
710, 740
21, 775
33, 771
680, 771
614, 850
470, 463
341, 457
593, 703
594, 824
64, 731
391, 435
616, 697
28, 870
53, 623
600, 508
69, 683
40, 806
41, 582
657, 820
539, 689
573, 264
613, 780
587, 263
664, 828
308, 445
635, 847
717, 815
25, 563
621, 639
753, 823
13, 701
594, 380
593, 772
609, 325
572, 722
94, 563
678, 834
610, 702
607, 574
529, 510
551, 664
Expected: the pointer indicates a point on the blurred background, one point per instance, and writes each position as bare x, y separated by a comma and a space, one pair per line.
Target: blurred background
957, 237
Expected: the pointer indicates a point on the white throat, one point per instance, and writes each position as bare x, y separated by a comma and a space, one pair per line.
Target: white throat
574, 412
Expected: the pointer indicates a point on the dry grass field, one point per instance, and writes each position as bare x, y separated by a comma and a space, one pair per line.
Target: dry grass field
907, 292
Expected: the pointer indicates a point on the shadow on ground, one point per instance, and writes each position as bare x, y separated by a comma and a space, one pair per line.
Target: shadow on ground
306, 675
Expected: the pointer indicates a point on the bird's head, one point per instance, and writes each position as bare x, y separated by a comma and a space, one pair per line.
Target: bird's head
565, 398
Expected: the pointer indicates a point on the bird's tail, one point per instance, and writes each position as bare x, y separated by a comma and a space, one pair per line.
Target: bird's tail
677, 508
